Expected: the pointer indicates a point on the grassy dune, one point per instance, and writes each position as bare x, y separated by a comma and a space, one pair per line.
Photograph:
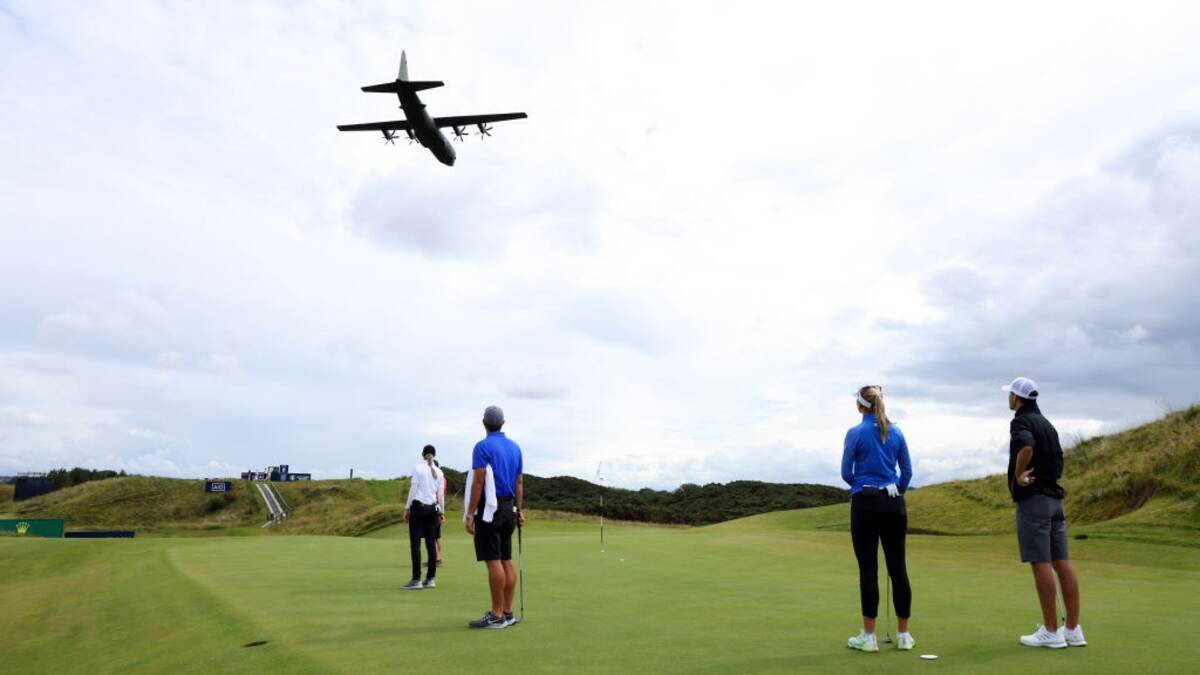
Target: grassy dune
1138, 484
168, 506
767, 594
342, 507
6, 495
148, 505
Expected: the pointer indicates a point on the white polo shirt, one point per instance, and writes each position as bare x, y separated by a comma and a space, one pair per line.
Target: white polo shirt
426, 485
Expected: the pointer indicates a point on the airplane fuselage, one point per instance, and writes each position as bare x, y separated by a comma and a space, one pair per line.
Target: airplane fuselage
425, 129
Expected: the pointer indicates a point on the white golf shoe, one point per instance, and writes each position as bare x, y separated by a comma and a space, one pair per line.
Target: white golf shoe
863, 642
1044, 638
1074, 636
905, 641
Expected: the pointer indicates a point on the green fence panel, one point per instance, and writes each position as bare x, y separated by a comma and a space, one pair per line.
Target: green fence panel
31, 527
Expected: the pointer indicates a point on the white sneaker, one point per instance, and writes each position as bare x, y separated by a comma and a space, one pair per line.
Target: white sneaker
905, 641
863, 642
1044, 638
1075, 637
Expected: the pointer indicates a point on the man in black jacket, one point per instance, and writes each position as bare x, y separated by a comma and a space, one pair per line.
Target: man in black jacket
1035, 461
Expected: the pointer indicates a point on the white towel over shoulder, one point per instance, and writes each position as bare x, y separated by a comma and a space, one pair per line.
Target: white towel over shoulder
489, 495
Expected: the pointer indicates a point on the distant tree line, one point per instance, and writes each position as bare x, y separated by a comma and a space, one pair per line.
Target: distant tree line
68, 477
689, 504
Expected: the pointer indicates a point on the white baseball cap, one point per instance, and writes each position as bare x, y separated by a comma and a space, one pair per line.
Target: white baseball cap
1023, 387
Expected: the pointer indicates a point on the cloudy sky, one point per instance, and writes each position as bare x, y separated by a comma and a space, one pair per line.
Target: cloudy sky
717, 222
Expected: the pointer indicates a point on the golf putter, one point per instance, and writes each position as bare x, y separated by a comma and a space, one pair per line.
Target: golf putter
887, 637
521, 573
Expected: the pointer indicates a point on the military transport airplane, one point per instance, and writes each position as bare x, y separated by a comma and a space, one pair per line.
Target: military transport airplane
419, 126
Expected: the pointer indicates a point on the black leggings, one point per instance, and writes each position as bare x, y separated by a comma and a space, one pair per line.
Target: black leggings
422, 521
874, 518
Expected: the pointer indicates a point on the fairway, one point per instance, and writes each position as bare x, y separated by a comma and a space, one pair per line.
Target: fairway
756, 595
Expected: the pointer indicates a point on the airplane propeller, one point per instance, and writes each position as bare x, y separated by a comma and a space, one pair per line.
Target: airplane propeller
389, 137
484, 130
459, 133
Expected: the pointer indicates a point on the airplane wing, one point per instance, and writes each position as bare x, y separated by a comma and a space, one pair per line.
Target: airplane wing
398, 125
464, 120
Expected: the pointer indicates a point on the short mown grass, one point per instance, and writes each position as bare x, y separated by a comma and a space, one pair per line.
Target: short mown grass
764, 594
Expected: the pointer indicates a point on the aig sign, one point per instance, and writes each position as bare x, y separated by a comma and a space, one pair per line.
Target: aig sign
217, 486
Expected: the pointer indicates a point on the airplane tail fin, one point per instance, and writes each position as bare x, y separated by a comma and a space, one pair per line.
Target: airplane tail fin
402, 83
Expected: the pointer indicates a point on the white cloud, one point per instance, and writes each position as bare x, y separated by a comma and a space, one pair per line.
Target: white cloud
712, 226
149, 435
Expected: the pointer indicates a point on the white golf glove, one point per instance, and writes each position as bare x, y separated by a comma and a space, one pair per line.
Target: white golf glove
892, 490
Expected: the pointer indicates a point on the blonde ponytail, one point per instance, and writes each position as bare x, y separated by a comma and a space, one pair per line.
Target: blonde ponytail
874, 396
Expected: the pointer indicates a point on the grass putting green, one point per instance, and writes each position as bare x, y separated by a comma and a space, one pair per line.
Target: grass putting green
773, 593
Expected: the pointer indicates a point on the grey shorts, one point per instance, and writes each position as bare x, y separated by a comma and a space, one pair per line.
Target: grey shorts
1041, 529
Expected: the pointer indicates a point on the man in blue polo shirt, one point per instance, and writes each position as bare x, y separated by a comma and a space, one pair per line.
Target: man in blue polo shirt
493, 512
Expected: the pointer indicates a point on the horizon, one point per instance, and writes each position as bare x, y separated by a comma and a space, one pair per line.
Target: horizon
1066, 449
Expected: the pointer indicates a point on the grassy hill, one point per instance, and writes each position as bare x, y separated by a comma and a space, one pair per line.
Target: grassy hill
342, 507
6, 495
146, 504
1137, 484
181, 507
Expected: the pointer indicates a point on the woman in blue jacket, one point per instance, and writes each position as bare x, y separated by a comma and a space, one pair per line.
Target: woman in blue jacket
873, 450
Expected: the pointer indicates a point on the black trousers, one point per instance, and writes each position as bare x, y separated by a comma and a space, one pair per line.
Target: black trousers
875, 518
422, 524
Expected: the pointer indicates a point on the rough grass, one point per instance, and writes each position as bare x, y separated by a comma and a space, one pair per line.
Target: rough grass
342, 507
6, 495
148, 504
1139, 485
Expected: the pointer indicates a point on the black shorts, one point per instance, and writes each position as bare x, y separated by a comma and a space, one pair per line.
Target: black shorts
493, 541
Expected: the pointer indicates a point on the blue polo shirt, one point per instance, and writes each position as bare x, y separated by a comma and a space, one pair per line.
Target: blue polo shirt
867, 460
504, 456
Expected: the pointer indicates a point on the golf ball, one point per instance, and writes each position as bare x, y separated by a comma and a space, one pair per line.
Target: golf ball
622, 560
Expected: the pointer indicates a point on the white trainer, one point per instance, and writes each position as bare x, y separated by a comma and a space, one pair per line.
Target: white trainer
905, 641
1044, 638
863, 642
1074, 636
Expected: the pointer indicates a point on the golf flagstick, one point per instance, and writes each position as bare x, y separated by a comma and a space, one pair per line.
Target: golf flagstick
600, 479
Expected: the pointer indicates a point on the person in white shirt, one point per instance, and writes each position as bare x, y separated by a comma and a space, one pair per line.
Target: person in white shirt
423, 513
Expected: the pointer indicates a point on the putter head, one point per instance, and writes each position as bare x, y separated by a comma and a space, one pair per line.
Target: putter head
887, 640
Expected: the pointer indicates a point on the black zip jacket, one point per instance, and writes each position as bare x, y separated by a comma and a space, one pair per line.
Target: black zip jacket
1029, 427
